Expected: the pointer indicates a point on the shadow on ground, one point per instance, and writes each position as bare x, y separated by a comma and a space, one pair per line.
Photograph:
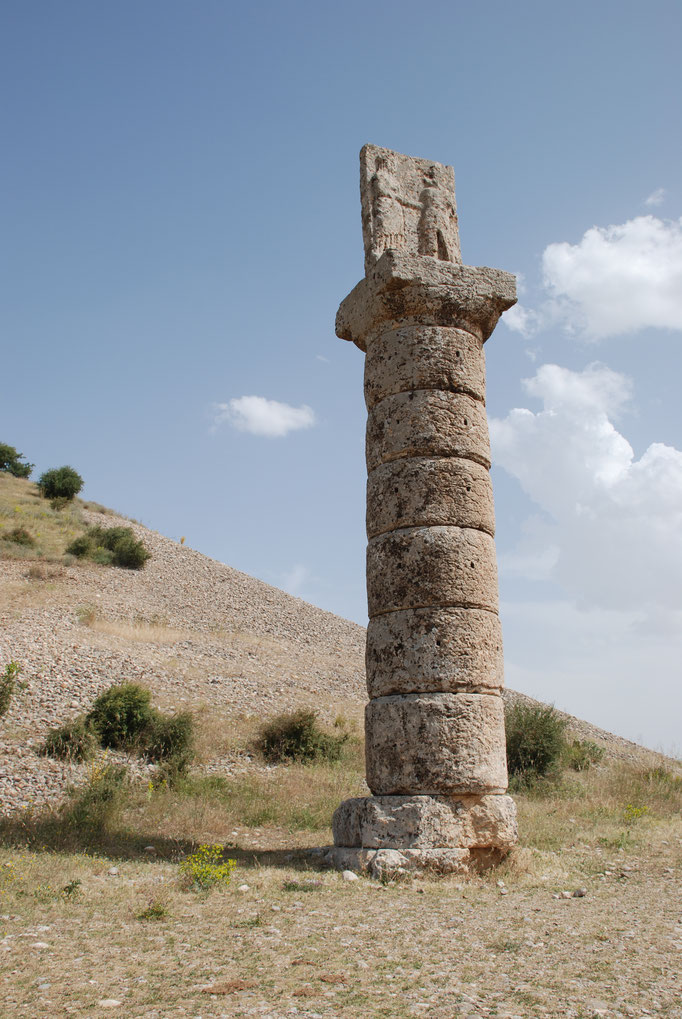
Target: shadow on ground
49, 833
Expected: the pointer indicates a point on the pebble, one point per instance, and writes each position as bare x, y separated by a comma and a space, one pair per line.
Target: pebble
109, 1003
348, 875
113, 871
243, 888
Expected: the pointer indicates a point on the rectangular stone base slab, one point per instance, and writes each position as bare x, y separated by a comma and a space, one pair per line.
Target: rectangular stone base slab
394, 863
426, 822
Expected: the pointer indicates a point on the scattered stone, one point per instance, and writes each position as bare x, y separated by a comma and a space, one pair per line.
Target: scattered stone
109, 1003
229, 987
243, 888
113, 871
348, 875
150, 850
579, 893
40, 944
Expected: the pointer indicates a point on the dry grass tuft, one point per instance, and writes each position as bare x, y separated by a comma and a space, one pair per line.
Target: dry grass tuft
138, 631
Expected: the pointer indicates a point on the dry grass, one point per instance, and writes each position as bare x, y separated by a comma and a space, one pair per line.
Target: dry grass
299, 938
611, 803
22, 506
261, 808
139, 631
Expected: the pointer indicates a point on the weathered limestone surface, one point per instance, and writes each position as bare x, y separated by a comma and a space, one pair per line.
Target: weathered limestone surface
426, 822
421, 566
388, 863
424, 357
405, 290
423, 491
435, 744
435, 747
427, 423
444, 650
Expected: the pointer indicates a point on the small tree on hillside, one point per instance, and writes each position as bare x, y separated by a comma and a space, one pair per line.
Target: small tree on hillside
60, 483
10, 461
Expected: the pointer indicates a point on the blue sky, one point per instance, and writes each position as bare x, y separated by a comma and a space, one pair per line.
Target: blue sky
181, 218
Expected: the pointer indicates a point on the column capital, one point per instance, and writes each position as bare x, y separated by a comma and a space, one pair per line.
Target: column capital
418, 289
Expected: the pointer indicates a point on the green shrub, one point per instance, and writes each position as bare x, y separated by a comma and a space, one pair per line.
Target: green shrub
103, 556
8, 685
117, 546
169, 737
10, 461
95, 806
80, 547
60, 483
130, 553
535, 739
21, 536
297, 736
121, 714
73, 741
581, 754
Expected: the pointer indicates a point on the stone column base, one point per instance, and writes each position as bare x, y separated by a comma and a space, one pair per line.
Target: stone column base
395, 863
426, 823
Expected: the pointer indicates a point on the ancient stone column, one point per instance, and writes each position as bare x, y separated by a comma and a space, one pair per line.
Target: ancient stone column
435, 745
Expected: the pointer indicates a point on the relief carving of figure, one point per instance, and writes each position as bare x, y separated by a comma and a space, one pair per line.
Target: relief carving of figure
437, 227
388, 215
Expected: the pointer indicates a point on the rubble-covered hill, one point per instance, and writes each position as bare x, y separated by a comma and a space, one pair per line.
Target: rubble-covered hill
198, 633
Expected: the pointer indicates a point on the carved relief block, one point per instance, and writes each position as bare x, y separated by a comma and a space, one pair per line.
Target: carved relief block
408, 205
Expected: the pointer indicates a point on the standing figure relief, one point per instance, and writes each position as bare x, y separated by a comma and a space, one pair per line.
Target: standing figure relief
388, 215
408, 206
437, 228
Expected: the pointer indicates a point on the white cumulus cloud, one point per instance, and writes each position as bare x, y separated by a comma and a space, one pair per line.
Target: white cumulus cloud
611, 530
259, 416
616, 280
656, 197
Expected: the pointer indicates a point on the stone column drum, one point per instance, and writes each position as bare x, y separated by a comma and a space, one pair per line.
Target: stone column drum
435, 745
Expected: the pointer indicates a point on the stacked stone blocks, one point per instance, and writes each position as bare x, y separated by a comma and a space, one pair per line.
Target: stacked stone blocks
435, 748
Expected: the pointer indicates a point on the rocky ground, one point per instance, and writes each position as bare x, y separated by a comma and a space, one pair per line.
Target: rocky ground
198, 633
284, 940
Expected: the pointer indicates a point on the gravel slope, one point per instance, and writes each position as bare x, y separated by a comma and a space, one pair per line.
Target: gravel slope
197, 632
